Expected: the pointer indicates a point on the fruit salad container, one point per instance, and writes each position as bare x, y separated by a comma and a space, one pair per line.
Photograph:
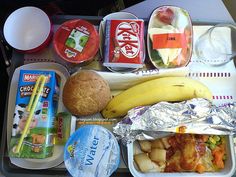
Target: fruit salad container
229, 168
169, 37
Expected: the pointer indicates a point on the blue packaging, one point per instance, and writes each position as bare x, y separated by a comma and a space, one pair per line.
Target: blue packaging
38, 142
92, 151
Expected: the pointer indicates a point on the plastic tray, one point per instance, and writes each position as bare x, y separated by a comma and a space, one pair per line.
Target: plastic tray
10, 169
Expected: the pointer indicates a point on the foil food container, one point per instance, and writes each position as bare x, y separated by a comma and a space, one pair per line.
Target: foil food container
197, 116
228, 170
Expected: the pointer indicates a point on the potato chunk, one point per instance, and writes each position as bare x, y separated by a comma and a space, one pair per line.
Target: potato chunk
136, 148
145, 145
165, 142
157, 144
145, 164
158, 155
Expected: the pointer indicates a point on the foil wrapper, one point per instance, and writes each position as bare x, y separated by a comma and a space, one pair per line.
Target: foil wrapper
197, 116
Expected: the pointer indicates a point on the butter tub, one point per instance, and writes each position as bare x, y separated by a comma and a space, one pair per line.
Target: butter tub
228, 171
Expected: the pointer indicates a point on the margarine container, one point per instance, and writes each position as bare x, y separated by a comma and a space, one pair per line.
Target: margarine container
92, 151
76, 41
169, 37
228, 170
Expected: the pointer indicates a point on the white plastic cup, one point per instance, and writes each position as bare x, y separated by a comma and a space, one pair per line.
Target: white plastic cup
28, 29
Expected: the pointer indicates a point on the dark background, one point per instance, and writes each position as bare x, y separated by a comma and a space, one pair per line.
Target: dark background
69, 7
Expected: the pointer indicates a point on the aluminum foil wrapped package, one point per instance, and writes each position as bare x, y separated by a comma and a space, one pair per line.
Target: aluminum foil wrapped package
197, 116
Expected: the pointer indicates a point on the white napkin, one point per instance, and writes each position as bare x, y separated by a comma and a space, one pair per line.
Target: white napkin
118, 81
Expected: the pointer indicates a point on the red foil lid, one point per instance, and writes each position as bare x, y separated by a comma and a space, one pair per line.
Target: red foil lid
76, 41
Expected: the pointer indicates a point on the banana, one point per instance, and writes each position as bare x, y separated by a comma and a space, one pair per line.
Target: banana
153, 91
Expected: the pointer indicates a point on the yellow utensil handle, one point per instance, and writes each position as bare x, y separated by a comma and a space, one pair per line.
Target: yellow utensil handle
33, 94
31, 107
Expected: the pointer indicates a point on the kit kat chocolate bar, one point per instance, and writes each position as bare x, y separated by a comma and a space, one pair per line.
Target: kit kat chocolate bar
124, 43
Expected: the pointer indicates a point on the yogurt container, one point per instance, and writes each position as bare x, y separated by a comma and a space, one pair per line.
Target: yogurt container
92, 151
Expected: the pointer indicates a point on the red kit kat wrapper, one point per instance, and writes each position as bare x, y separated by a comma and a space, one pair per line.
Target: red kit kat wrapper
124, 43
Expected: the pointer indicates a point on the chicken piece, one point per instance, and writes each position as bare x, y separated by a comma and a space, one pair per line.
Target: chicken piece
190, 156
173, 164
185, 156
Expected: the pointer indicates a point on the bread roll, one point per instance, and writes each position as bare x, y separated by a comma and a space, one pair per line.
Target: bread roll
86, 93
